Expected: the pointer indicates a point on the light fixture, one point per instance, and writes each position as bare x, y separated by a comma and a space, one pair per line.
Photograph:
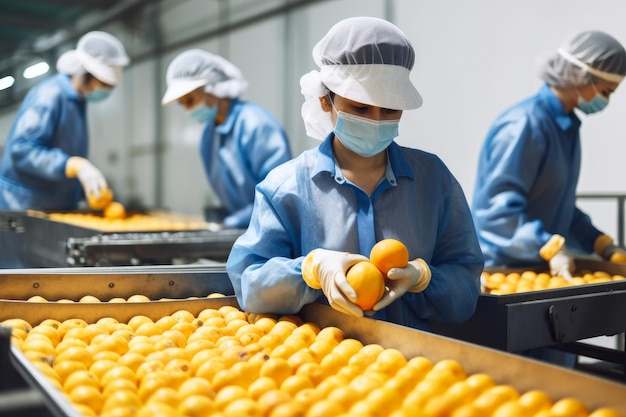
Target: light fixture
6, 82
36, 70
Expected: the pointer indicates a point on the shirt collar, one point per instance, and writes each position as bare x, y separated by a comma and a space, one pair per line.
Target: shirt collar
67, 87
397, 165
564, 120
229, 123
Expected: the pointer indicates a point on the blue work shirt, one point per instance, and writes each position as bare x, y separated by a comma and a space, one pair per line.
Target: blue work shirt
307, 203
239, 153
50, 126
526, 184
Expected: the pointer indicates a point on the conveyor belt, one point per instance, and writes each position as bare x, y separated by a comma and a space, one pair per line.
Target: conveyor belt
33, 240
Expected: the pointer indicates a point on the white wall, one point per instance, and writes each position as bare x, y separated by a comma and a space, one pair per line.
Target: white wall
474, 59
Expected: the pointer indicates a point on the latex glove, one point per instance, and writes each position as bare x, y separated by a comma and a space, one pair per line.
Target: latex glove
562, 264
414, 277
326, 270
560, 260
89, 176
606, 248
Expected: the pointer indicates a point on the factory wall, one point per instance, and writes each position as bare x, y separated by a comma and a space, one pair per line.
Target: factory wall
474, 59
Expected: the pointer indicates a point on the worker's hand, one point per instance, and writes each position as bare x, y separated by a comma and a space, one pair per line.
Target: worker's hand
608, 250
562, 264
414, 277
326, 270
89, 176
560, 260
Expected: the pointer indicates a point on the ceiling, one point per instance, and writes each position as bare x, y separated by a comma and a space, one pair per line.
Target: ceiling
22, 22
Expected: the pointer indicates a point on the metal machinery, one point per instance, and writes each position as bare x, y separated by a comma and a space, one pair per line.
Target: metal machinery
561, 318
37, 239
186, 287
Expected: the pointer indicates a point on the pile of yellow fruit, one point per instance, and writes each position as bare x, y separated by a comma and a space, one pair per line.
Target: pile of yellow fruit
135, 298
501, 283
225, 362
132, 222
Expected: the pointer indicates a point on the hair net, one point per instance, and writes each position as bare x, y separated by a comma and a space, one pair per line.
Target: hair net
196, 68
583, 57
98, 53
364, 59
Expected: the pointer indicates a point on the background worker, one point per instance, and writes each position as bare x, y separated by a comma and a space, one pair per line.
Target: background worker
524, 204
322, 212
241, 141
44, 165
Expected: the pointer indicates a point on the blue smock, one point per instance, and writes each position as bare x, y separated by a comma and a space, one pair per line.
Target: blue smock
239, 153
307, 203
50, 126
526, 184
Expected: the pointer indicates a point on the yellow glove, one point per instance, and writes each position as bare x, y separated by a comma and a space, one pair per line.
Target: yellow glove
414, 277
560, 260
326, 270
606, 248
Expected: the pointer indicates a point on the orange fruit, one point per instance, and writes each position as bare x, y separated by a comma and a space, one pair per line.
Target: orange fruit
89, 299
196, 406
122, 398
106, 196
229, 394
114, 210
88, 396
569, 407
67, 368
272, 399
534, 401
260, 386
138, 298
368, 282
389, 253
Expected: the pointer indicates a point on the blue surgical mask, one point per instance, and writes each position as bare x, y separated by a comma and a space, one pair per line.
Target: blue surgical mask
596, 104
203, 113
363, 136
98, 94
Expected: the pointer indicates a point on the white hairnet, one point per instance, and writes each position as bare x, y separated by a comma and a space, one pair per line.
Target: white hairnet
196, 68
98, 53
364, 59
584, 56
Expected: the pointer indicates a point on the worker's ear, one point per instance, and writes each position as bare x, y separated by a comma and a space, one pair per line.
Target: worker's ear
326, 104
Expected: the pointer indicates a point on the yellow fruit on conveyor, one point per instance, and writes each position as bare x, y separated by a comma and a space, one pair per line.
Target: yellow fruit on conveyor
116, 219
222, 362
618, 257
114, 211
502, 283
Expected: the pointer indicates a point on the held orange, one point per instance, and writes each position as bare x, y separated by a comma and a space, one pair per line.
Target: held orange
106, 196
368, 283
389, 253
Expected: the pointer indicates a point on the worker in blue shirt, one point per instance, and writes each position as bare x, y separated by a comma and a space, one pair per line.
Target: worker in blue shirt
241, 141
44, 164
524, 203
317, 215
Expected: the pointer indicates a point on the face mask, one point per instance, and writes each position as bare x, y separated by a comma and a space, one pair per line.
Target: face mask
98, 94
202, 113
364, 136
596, 104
